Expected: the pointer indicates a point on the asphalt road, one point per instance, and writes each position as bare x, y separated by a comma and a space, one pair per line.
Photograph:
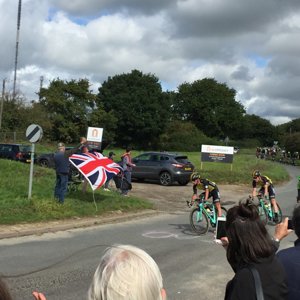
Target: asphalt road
62, 264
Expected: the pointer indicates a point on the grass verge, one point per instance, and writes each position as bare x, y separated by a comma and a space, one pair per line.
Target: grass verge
15, 207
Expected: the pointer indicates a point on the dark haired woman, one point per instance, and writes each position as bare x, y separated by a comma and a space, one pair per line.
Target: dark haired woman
249, 244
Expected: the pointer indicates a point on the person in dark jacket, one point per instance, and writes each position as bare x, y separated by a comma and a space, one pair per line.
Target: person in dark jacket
249, 244
62, 168
290, 259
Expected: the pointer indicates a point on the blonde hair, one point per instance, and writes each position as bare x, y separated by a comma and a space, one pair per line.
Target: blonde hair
126, 272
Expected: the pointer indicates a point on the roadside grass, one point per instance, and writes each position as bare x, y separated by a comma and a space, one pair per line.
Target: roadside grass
15, 207
240, 171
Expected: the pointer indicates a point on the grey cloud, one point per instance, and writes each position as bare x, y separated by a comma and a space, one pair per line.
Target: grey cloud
96, 7
231, 17
241, 73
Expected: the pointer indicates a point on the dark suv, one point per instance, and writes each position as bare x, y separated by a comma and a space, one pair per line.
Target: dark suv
163, 166
16, 152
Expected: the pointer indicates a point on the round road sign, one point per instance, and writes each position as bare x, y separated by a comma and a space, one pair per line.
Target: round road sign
34, 133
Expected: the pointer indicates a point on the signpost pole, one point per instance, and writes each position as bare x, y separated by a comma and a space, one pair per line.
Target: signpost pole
34, 134
31, 170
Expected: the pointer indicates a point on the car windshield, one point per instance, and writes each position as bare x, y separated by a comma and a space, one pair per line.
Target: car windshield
25, 148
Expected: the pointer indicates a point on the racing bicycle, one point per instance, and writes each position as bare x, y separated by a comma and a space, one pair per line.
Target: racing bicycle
266, 211
203, 215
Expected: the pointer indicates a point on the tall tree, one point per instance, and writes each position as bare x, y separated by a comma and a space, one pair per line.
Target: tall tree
211, 106
68, 105
140, 106
260, 129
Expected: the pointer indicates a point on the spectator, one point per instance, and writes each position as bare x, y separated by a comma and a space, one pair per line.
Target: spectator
111, 156
62, 167
127, 167
290, 258
249, 244
127, 273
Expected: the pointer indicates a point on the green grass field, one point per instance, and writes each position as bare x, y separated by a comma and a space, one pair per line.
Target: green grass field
15, 207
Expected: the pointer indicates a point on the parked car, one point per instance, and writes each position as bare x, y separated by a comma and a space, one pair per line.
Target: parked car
163, 166
18, 152
47, 159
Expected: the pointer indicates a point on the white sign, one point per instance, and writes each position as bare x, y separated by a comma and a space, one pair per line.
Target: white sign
34, 133
216, 149
94, 134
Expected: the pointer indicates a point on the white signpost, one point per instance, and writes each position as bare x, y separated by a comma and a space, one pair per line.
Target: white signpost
94, 134
34, 134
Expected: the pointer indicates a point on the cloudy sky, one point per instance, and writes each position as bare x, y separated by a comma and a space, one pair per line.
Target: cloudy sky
251, 45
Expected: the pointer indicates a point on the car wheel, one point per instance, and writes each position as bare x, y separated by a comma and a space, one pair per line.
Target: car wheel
165, 178
44, 163
183, 182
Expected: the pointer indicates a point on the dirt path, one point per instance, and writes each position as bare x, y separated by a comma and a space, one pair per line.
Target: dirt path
173, 198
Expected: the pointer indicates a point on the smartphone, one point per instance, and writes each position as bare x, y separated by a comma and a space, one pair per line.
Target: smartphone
221, 232
290, 224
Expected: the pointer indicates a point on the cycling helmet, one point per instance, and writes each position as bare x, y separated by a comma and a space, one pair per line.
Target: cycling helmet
195, 176
256, 173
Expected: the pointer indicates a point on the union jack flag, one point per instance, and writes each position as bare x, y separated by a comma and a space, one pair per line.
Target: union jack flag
95, 167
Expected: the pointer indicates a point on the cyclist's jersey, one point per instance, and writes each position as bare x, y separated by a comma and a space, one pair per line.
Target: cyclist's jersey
264, 180
205, 184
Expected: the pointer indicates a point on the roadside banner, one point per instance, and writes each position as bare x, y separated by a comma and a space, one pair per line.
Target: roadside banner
211, 153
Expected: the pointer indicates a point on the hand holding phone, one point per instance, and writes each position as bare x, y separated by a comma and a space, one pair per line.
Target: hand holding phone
221, 231
290, 225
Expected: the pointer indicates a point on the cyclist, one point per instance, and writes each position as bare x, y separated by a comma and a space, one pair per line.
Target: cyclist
266, 189
210, 190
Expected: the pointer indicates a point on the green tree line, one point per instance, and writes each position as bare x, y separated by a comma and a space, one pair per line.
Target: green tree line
134, 111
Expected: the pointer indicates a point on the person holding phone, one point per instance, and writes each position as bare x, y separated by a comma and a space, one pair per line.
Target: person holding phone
249, 244
210, 190
290, 257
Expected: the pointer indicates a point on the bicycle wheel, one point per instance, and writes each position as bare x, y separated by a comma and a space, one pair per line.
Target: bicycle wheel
198, 221
279, 216
263, 215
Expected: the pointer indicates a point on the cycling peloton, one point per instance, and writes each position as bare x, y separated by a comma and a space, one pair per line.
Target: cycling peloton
210, 190
266, 189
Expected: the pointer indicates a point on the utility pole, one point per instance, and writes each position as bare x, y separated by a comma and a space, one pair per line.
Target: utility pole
41, 86
17, 47
2, 101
